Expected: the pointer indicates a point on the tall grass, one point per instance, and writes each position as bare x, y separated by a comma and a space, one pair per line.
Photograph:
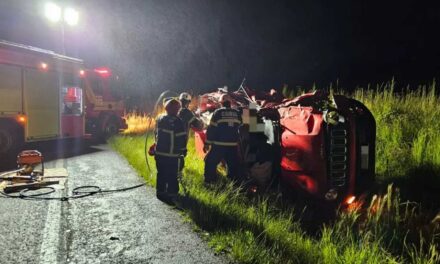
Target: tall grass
385, 230
408, 139
138, 123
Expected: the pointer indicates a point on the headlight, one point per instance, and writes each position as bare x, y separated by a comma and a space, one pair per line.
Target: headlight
331, 117
331, 195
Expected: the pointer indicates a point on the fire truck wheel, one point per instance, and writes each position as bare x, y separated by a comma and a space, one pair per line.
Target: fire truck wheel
9, 140
111, 128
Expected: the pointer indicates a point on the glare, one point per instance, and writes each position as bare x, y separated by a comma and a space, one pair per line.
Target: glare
43, 66
22, 119
103, 72
71, 16
350, 200
52, 12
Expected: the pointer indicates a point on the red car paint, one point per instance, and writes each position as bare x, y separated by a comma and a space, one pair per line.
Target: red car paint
315, 156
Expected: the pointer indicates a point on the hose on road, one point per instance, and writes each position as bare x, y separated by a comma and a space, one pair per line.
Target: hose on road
77, 192
3, 175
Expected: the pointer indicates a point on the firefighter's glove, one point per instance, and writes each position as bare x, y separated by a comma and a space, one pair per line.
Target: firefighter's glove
206, 148
152, 150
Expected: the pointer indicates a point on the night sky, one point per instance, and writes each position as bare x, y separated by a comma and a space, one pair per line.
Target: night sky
199, 45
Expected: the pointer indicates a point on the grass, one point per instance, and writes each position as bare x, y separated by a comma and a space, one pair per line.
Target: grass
388, 229
408, 140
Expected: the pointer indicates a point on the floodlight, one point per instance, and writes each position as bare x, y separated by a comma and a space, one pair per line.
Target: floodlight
71, 16
52, 12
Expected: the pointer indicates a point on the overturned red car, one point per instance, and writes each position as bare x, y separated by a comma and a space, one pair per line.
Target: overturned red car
318, 144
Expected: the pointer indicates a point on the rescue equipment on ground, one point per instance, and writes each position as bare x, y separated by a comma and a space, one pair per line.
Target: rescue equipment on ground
30, 178
29, 173
28, 161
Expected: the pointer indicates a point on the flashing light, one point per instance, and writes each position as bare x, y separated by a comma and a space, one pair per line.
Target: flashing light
21, 119
71, 16
73, 95
82, 73
43, 66
104, 72
350, 199
52, 12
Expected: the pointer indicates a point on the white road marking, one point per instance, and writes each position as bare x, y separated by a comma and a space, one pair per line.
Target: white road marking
51, 233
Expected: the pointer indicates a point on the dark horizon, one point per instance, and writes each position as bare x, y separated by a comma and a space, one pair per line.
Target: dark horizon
201, 45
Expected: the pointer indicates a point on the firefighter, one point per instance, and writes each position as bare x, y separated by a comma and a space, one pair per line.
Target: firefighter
188, 117
222, 137
169, 150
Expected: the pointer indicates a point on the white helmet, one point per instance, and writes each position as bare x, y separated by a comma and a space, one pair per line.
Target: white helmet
185, 96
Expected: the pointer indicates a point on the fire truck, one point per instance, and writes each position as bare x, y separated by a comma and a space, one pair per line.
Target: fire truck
320, 145
104, 107
45, 96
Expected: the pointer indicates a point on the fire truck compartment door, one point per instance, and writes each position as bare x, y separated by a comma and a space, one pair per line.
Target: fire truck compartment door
10, 89
42, 104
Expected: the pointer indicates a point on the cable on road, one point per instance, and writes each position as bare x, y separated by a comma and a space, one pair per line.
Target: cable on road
77, 192
3, 175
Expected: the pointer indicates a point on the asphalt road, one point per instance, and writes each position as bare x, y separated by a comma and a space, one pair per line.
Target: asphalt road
124, 227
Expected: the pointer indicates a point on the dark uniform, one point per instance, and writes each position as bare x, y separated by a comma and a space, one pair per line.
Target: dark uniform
223, 135
170, 149
189, 120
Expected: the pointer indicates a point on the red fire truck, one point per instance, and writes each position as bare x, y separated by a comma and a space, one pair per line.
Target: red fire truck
44, 96
104, 107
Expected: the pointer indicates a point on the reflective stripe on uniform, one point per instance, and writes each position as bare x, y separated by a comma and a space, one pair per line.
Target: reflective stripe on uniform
179, 172
172, 142
229, 121
228, 144
208, 142
180, 134
166, 130
191, 120
167, 154
172, 137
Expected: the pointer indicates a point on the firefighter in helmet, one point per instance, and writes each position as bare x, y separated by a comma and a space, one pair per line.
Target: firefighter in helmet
169, 150
222, 138
189, 119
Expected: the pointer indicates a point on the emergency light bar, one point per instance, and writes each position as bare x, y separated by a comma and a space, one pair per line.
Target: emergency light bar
104, 72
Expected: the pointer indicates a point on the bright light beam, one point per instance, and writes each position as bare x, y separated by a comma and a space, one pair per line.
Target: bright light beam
71, 16
52, 12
